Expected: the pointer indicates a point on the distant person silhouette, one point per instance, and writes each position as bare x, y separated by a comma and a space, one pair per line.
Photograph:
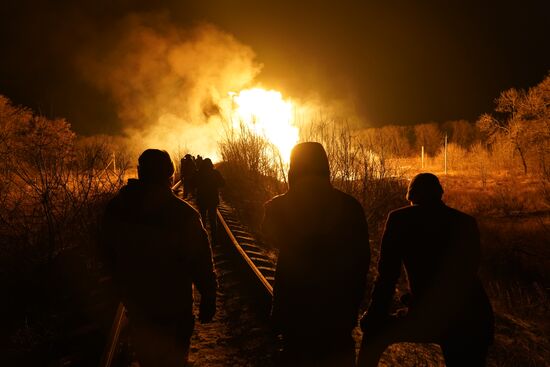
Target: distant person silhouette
322, 266
439, 248
198, 162
209, 181
188, 172
158, 248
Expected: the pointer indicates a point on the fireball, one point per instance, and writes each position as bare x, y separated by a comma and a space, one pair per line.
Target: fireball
267, 114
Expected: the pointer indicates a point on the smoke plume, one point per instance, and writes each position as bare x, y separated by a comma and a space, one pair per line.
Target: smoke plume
170, 84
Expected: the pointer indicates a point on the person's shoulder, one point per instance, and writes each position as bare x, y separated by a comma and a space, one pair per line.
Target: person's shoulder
181, 208
124, 195
278, 204
132, 187
460, 216
405, 210
348, 200
404, 213
277, 201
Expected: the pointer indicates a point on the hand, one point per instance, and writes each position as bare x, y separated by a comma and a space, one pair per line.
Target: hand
207, 309
373, 321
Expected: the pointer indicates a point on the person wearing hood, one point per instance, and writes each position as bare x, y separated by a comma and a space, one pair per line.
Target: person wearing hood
188, 171
324, 255
157, 249
209, 181
439, 248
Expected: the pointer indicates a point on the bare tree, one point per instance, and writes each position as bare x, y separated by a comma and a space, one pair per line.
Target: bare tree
522, 117
429, 136
388, 141
461, 132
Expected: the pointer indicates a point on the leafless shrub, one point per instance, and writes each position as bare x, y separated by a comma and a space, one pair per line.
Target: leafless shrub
429, 136
458, 158
253, 170
480, 161
51, 186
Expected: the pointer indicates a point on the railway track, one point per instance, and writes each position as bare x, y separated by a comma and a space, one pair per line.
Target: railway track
238, 256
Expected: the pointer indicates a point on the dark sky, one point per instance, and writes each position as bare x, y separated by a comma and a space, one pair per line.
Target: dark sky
396, 62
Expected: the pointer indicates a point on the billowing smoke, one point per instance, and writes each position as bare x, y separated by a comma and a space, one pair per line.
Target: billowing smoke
170, 85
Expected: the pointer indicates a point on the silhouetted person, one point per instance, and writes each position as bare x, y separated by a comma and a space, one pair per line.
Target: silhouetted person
322, 266
209, 181
188, 172
158, 248
198, 162
439, 248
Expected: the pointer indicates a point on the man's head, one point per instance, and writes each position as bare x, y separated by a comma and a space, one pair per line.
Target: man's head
424, 189
207, 164
155, 166
308, 159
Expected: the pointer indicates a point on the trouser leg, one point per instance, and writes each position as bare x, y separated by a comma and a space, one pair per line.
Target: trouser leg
321, 350
371, 351
212, 218
159, 346
202, 212
340, 352
390, 331
464, 354
186, 189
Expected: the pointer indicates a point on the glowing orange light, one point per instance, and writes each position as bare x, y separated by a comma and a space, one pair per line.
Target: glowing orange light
267, 114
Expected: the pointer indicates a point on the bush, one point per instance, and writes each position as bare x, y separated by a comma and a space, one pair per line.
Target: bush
254, 173
53, 187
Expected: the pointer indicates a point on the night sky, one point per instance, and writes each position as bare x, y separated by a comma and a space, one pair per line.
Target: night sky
394, 62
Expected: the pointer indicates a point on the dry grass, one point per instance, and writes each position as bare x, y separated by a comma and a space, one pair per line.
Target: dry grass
498, 195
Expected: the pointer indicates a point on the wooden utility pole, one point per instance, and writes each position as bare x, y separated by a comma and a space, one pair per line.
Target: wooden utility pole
422, 159
445, 153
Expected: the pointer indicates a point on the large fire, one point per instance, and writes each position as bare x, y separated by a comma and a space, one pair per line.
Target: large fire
266, 113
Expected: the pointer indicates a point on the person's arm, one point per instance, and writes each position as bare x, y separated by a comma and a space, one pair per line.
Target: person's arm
270, 225
473, 252
107, 239
389, 270
202, 268
461, 264
362, 252
221, 181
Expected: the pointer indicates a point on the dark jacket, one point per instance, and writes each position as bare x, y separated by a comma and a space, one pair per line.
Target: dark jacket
440, 249
157, 247
324, 257
208, 181
188, 169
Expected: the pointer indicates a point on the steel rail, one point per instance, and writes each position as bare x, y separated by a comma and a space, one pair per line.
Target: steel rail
264, 282
109, 352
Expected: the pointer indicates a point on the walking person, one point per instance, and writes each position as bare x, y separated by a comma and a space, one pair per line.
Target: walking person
188, 172
439, 248
157, 249
324, 254
209, 181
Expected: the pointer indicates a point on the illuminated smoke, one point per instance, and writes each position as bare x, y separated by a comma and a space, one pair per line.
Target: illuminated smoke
171, 85
267, 114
